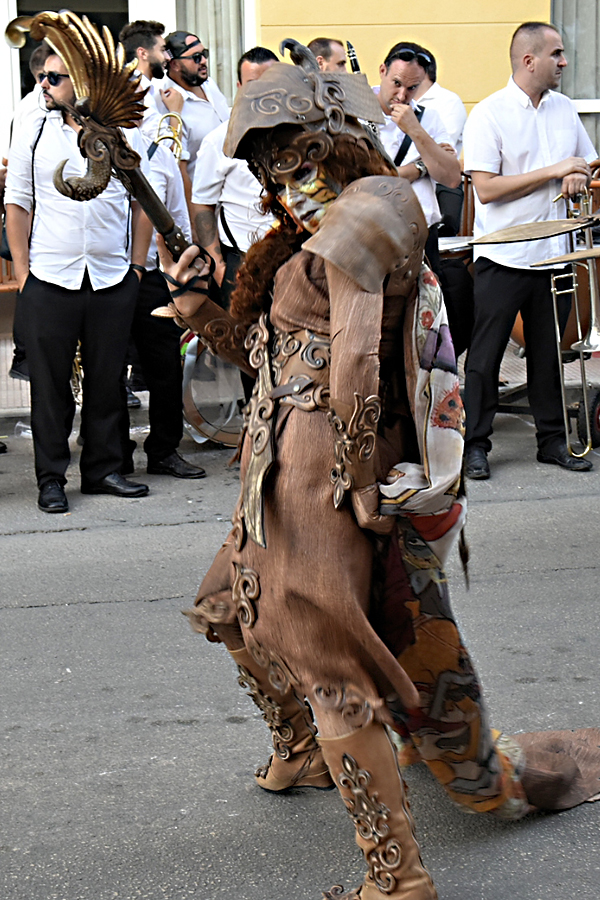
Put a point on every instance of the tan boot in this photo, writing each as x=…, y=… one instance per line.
x=365, y=769
x=298, y=759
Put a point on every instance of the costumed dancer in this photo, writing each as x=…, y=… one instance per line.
x=330, y=586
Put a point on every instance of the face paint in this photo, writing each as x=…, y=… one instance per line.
x=307, y=196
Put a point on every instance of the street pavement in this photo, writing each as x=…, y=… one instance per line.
x=128, y=748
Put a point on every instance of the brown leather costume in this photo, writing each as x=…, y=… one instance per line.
x=309, y=603
x=303, y=600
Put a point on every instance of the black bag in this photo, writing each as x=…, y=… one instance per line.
x=4, y=248
x=450, y=201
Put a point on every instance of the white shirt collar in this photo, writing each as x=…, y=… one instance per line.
x=522, y=97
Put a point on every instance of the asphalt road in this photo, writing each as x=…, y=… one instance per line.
x=128, y=748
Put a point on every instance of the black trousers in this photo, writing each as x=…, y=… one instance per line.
x=500, y=293
x=56, y=319
x=19, y=330
x=157, y=344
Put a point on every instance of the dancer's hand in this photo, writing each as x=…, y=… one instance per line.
x=365, y=502
x=189, y=265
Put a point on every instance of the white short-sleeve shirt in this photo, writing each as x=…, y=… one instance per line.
x=506, y=135
x=70, y=236
x=229, y=183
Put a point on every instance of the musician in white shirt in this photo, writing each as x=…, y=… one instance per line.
x=76, y=283
x=523, y=146
x=204, y=106
x=143, y=40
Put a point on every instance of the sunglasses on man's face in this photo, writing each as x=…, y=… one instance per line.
x=197, y=57
x=408, y=55
x=53, y=77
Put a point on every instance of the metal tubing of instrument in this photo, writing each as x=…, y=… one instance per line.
x=172, y=134
x=556, y=293
x=591, y=343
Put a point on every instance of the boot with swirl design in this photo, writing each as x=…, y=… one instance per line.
x=298, y=759
x=365, y=769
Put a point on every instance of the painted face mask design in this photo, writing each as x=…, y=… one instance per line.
x=307, y=197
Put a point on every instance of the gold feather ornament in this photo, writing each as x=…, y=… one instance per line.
x=107, y=95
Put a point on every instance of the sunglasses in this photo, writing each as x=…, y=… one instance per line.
x=196, y=57
x=423, y=59
x=53, y=77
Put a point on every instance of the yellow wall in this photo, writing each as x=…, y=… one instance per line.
x=469, y=38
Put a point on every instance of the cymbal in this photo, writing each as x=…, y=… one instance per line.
x=533, y=231
x=585, y=253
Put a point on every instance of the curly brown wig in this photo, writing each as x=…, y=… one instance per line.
x=351, y=159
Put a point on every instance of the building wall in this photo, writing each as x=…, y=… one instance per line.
x=579, y=23
x=469, y=38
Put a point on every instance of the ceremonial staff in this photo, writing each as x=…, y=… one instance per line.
x=109, y=99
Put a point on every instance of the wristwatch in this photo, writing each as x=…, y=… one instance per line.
x=421, y=168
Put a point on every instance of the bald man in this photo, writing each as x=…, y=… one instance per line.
x=522, y=146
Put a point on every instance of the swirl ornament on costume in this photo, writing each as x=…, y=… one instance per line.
x=337, y=893
x=238, y=532
x=354, y=708
x=279, y=675
x=371, y=818
x=245, y=590
x=222, y=335
x=218, y=610
x=285, y=345
x=330, y=96
x=258, y=416
x=278, y=100
x=316, y=352
x=257, y=342
x=301, y=369
x=281, y=729
x=354, y=443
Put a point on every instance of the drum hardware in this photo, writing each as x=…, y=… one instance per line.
x=572, y=289
x=583, y=347
x=575, y=256
x=535, y=231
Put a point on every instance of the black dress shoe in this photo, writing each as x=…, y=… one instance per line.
x=562, y=458
x=3, y=447
x=114, y=484
x=476, y=463
x=52, y=498
x=175, y=465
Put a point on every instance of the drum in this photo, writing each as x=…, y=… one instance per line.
x=213, y=396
